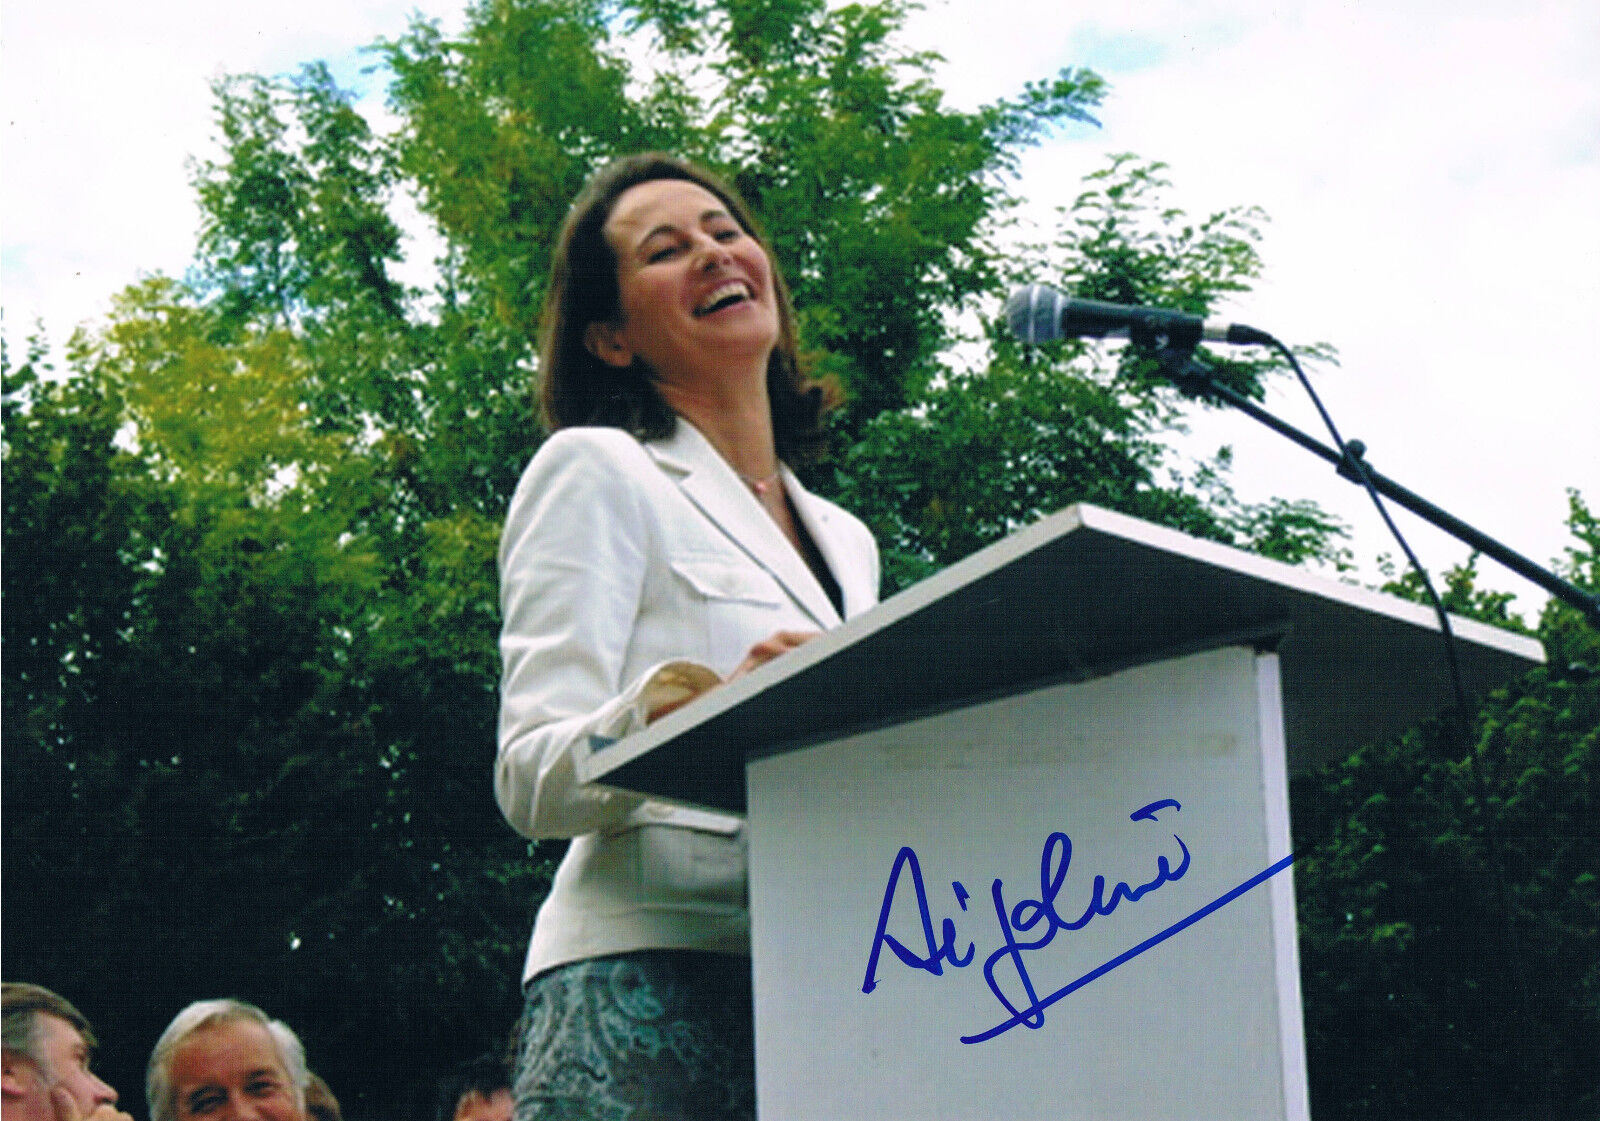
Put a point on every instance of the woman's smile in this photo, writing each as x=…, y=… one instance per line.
x=724, y=296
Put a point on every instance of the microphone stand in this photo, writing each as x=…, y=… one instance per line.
x=1193, y=377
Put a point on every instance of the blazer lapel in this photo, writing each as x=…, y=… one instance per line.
x=717, y=491
x=853, y=570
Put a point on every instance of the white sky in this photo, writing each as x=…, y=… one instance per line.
x=1431, y=169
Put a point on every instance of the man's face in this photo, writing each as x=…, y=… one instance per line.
x=474, y=1106
x=65, y=1067
x=232, y=1072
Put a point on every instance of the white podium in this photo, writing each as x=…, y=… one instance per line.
x=1019, y=837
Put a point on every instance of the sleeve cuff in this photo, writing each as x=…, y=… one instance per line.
x=664, y=686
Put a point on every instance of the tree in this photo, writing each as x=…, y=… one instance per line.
x=254, y=758
x=879, y=199
x=1449, y=904
x=983, y=451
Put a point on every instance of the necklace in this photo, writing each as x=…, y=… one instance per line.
x=760, y=486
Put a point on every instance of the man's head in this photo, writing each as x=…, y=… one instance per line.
x=478, y=1090
x=224, y=1060
x=321, y=1105
x=48, y=1046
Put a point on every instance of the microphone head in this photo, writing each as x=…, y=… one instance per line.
x=1034, y=313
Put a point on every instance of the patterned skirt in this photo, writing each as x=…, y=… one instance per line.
x=658, y=1035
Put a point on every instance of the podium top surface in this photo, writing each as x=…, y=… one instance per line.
x=1080, y=594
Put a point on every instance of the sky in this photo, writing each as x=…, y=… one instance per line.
x=1430, y=169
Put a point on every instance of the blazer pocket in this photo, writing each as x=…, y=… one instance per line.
x=692, y=867
x=728, y=579
x=684, y=817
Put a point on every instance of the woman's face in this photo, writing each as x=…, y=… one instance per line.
x=695, y=288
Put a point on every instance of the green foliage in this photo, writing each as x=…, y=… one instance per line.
x=295, y=226
x=987, y=453
x=1460, y=594
x=980, y=453
x=73, y=553
x=249, y=709
x=1120, y=241
x=879, y=200
x=1294, y=531
x=499, y=130
x=1448, y=900
x=1568, y=639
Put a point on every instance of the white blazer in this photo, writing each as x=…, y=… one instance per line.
x=628, y=571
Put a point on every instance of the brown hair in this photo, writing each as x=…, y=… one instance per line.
x=22, y=1004
x=321, y=1105
x=577, y=388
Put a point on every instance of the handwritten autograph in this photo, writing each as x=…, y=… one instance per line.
x=1028, y=914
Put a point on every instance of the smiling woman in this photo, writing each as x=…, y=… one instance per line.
x=657, y=546
x=586, y=383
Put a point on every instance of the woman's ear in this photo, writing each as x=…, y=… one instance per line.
x=606, y=342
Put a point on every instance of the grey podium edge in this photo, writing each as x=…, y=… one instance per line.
x=1079, y=594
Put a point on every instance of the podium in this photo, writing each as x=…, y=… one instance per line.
x=1019, y=836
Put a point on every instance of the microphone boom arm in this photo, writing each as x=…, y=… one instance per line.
x=1193, y=376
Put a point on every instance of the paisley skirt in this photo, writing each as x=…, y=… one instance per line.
x=657, y=1035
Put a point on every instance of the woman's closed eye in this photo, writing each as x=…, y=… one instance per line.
x=666, y=250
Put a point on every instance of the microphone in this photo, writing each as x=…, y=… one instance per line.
x=1038, y=313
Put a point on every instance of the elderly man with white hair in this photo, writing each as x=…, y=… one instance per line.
x=225, y=1060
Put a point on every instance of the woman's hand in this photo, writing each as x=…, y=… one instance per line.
x=769, y=648
x=677, y=694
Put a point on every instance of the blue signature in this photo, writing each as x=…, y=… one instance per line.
x=1029, y=914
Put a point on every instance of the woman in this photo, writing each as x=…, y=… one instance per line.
x=656, y=547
